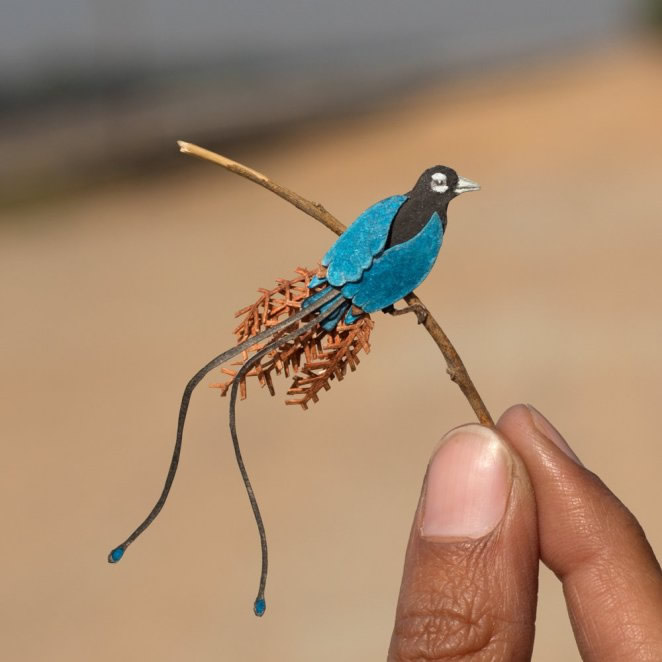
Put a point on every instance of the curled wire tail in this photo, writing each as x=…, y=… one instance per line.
x=117, y=553
x=260, y=605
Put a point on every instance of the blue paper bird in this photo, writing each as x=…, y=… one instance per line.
x=385, y=254
x=389, y=250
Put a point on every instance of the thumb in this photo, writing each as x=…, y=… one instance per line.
x=471, y=571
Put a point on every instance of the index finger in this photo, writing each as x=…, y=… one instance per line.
x=611, y=578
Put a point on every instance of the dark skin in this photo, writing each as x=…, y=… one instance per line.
x=494, y=502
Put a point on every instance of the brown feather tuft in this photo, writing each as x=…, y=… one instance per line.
x=314, y=359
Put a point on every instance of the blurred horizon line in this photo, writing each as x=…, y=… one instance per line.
x=88, y=124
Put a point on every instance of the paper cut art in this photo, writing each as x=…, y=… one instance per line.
x=314, y=359
x=314, y=326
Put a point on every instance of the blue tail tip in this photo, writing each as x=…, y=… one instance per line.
x=116, y=555
x=260, y=607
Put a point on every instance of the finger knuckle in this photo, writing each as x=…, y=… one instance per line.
x=442, y=634
x=452, y=624
x=452, y=621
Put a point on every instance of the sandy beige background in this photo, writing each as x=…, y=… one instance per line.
x=549, y=283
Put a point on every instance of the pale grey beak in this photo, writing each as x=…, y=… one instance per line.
x=464, y=185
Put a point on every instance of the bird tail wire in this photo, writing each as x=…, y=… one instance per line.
x=117, y=553
x=259, y=605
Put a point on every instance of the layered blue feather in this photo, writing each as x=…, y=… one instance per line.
x=354, y=251
x=368, y=276
x=398, y=270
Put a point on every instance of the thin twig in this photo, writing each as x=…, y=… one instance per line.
x=455, y=368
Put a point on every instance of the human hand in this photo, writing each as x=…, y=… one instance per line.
x=492, y=504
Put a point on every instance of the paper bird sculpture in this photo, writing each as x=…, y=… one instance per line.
x=383, y=255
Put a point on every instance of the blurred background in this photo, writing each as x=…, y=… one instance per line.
x=122, y=263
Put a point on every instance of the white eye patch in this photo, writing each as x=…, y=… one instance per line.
x=439, y=182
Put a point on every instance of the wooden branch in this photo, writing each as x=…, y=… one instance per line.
x=313, y=209
x=455, y=368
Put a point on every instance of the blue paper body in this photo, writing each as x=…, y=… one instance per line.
x=367, y=275
x=355, y=249
x=397, y=271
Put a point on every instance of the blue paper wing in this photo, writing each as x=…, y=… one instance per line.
x=398, y=271
x=354, y=250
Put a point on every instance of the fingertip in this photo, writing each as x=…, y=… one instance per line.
x=468, y=484
x=545, y=428
x=516, y=424
x=516, y=416
x=528, y=429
